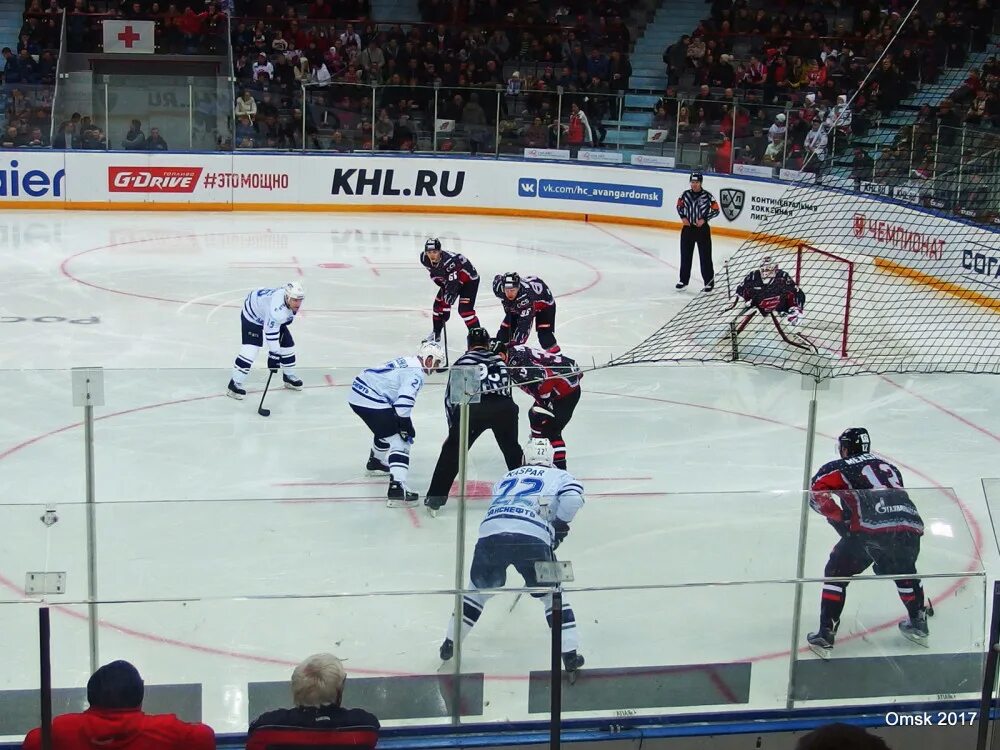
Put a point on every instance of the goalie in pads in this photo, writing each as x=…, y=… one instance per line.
x=771, y=292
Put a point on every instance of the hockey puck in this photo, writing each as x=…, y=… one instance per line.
x=264, y=412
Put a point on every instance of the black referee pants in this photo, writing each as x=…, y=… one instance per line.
x=499, y=415
x=702, y=237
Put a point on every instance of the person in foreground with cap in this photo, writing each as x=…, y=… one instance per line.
x=115, y=720
x=697, y=207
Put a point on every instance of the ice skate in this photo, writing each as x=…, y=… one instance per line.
x=434, y=504
x=915, y=628
x=235, y=391
x=400, y=497
x=375, y=465
x=572, y=661
x=447, y=649
x=821, y=643
x=291, y=382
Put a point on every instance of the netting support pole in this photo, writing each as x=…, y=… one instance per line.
x=803, y=529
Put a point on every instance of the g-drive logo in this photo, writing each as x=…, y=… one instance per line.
x=153, y=179
x=600, y=192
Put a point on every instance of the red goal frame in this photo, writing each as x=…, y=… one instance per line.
x=806, y=248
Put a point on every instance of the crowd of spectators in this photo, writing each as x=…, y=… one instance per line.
x=785, y=86
x=386, y=87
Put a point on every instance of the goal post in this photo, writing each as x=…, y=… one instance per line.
x=828, y=282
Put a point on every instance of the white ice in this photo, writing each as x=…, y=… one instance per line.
x=260, y=541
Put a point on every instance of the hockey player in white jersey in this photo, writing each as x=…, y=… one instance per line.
x=384, y=397
x=529, y=517
x=266, y=315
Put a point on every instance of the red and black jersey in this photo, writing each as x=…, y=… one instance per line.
x=778, y=295
x=533, y=297
x=544, y=376
x=871, y=495
x=450, y=274
x=310, y=726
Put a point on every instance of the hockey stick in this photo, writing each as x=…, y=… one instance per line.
x=260, y=409
x=516, y=600
x=808, y=346
x=729, y=288
x=444, y=333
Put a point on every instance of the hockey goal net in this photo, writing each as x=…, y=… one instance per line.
x=828, y=282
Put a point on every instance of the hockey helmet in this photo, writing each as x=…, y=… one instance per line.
x=294, y=290
x=696, y=177
x=432, y=245
x=477, y=338
x=433, y=350
x=768, y=268
x=518, y=356
x=853, y=442
x=538, y=452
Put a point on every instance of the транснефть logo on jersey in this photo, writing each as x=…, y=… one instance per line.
x=731, y=202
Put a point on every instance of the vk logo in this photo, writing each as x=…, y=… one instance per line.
x=527, y=188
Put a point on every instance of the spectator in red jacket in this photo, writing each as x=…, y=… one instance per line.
x=115, y=720
x=318, y=719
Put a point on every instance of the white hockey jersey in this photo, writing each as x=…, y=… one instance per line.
x=267, y=308
x=528, y=499
x=394, y=385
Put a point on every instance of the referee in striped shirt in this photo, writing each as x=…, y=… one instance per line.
x=697, y=207
x=496, y=411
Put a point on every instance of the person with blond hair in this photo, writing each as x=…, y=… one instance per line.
x=318, y=717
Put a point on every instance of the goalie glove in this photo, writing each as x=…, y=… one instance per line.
x=406, y=430
x=560, y=530
x=273, y=362
x=795, y=315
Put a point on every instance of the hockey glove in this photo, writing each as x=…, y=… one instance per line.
x=406, y=430
x=561, y=530
x=273, y=362
x=795, y=314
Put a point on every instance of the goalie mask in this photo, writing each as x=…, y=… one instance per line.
x=853, y=442
x=768, y=269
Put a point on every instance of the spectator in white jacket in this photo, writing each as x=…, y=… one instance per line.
x=246, y=105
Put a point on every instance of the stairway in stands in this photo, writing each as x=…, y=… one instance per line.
x=11, y=19
x=673, y=19
x=393, y=10
x=881, y=137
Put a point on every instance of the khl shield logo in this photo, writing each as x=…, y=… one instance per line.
x=731, y=201
x=527, y=188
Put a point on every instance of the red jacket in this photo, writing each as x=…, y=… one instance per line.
x=123, y=729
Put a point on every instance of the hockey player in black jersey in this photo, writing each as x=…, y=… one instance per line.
x=526, y=300
x=772, y=293
x=457, y=281
x=771, y=290
x=862, y=497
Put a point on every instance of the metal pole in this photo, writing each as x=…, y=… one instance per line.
x=45, y=671
x=961, y=163
x=990, y=672
x=555, y=672
x=803, y=528
x=784, y=149
x=107, y=121
x=937, y=149
x=88, y=445
x=305, y=111
x=373, y=117
x=463, y=456
x=732, y=144
x=190, y=115
x=559, y=93
x=435, y=140
x=496, y=136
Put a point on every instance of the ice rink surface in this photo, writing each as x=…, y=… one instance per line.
x=264, y=540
